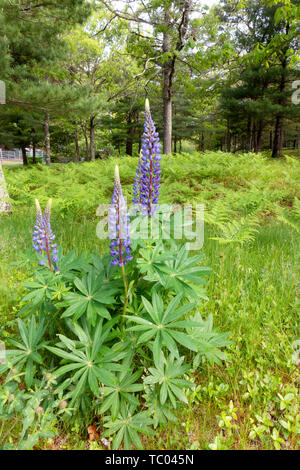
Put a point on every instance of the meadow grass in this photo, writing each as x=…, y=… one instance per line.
x=251, y=401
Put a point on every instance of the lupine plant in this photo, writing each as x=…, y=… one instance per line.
x=118, y=336
x=119, y=232
x=147, y=179
x=43, y=237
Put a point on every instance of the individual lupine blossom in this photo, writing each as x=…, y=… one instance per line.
x=118, y=224
x=147, y=182
x=43, y=237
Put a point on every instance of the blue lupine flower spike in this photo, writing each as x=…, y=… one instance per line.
x=149, y=172
x=118, y=221
x=43, y=237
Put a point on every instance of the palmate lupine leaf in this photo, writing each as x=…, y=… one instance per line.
x=161, y=414
x=121, y=389
x=40, y=289
x=106, y=271
x=92, y=297
x=40, y=293
x=26, y=353
x=152, y=261
x=164, y=325
x=89, y=361
x=126, y=427
x=208, y=341
x=168, y=373
x=183, y=272
x=70, y=264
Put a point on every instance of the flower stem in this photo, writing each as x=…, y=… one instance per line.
x=125, y=292
x=48, y=255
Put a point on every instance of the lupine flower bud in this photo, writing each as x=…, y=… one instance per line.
x=63, y=404
x=147, y=180
x=118, y=221
x=10, y=398
x=39, y=410
x=43, y=237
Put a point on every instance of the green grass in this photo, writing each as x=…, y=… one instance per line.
x=252, y=291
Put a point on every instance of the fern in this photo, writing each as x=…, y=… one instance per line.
x=292, y=218
x=231, y=230
x=238, y=231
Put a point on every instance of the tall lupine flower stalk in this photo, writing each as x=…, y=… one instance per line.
x=147, y=180
x=119, y=225
x=118, y=221
x=43, y=237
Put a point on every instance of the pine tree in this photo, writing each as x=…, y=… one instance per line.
x=258, y=93
x=32, y=42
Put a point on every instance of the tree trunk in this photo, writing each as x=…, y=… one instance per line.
x=33, y=153
x=180, y=146
x=168, y=67
x=234, y=144
x=276, y=142
x=202, y=142
x=277, y=149
x=209, y=141
x=271, y=140
x=25, y=161
x=130, y=133
x=253, y=140
x=175, y=144
x=92, y=138
x=77, y=153
x=87, y=150
x=259, y=136
x=228, y=138
x=167, y=114
x=281, y=140
x=47, y=139
x=5, y=205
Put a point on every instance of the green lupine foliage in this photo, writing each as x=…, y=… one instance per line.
x=92, y=297
x=102, y=361
x=168, y=374
x=28, y=350
x=127, y=426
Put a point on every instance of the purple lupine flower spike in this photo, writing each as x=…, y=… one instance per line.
x=118, y=221
x=37, y=228
x=149, y=172
x=43, y=237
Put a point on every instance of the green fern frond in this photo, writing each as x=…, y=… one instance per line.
x=240, y=231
